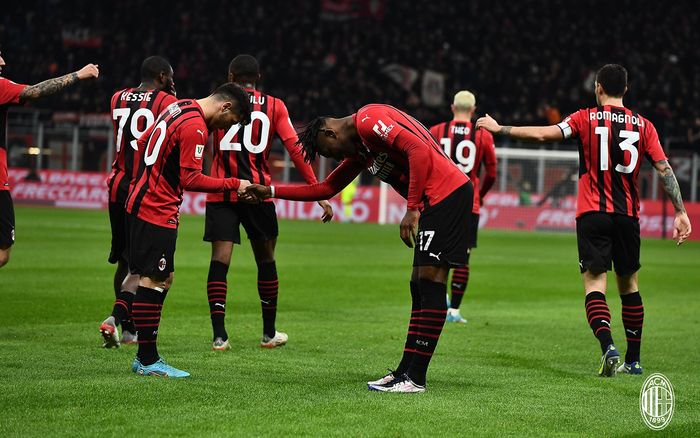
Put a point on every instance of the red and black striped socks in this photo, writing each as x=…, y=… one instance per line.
x=146, y=310
x=268, y=289
x=633, y=321
x=410, y=345
x=216, y=293
x=429, y=327
x=598, y=315
x=460, y=279
x=122, y=307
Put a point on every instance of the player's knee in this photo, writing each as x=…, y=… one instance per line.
x=168, y=282
x=261, y=260
x=437, y=274
x=130, y=283
x=4, y=257
x=221, y=252
x=627, y=284
x=264, y=251
x=156, y=282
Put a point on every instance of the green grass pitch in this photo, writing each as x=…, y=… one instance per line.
x=524, y=364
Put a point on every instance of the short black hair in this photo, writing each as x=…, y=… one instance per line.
x=613, y=79
x=308, y=138
x=244, y=67
x=234, y=93
x=152, y=66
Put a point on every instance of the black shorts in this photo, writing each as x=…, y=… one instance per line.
x=117, y=219
x=151, y=248
x=473, y=229
x=607, y=238
x=443, y=230
x=7, y=220
x=223, y=221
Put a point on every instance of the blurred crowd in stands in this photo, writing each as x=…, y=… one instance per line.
x=527, y=62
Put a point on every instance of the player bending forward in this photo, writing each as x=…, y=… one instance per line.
x=170, y=161
x=133, y=111
x=612, y=139
x=389, y=142
x=468, y=148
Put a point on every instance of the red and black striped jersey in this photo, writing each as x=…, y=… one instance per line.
x=9, y=95
x=468, y=149
x=243, y=151
x=133, y=112
x=397, y=149
x=611, y=142
x=170, y=161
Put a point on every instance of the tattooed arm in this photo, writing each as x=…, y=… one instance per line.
x=527, y=133
x=51, y=86
x=681, y=224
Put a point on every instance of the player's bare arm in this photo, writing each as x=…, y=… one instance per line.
x=681, y=224
x=539, y=134
x=54, y=85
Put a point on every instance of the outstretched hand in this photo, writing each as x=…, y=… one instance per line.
x=89, y=71
x=327, y=211
x=488, y=123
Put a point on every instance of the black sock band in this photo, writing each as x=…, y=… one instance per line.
x=633, y=321
x=429, y=327
x=217, y=288
x=460, y=280
x=146, y=311
x=409, y=346
x=122, y=307
x=268, y=290
x=598, y=315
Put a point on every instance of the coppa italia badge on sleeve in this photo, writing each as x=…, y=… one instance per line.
x=656, y=401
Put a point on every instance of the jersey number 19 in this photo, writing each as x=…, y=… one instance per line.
x=465, y=153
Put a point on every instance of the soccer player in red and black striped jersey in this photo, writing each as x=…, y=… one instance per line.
x=243, y=152
x=170, y=156
x=400, y=151
x=468, y=148
x=133, y=111
x=11, y=94
x=612, y=140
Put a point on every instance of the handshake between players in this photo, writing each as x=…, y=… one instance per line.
x=256, y=193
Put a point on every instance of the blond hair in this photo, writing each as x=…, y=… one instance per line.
x=464, y=101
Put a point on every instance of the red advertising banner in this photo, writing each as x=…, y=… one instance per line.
x=500, y=210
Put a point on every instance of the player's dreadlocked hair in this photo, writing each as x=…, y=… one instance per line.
x=308, y=138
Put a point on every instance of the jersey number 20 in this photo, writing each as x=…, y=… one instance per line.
x=227, y=145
